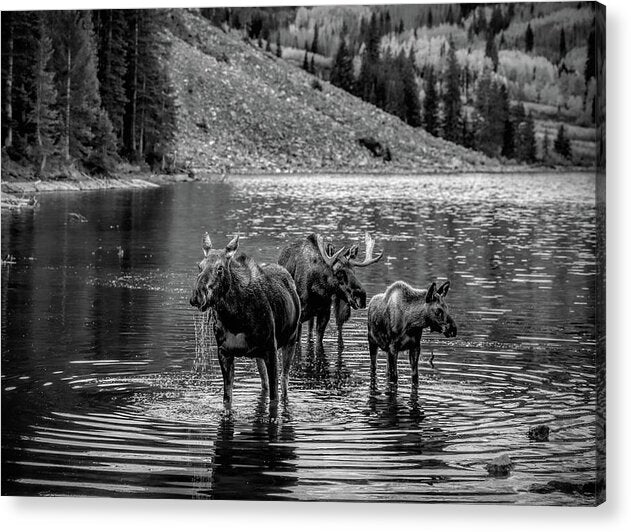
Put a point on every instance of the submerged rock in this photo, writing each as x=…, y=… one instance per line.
x=570, y=488
x=500, y=466
x=539, y=433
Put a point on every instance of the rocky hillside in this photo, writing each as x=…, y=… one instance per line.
x=241, y=109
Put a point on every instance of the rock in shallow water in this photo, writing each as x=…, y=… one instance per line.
x=539, y=433
x=500, y=466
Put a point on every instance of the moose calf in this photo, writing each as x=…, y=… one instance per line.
x=396, y=320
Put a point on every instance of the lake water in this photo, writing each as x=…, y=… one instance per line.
x=102, y=396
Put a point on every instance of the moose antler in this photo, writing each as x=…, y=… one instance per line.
x=206, y=243
x=329, y=259
x=370, y=246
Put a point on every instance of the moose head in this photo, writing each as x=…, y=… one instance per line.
x=437, y=312
x=214, y=273
x=348, y=286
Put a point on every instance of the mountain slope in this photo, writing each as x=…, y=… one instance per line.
x=242, y=109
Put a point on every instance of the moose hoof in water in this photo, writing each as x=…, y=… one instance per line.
x=539, y=433
x=500, y=466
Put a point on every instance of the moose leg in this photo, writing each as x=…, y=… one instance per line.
x=372, y=349
x=391, y=370
x=323, y=320
x=342, y=314
x=310, y=330
x=272, y=373
x=413, y=354
x=298, y=351
x=260, y=364
x=227, y=370
x=287, y=354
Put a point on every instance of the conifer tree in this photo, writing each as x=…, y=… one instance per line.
x=74, y=59
x=525, y=140
x=314, y=43
x=491, y=50
x=545, y=146
x=150, y=114
x=562, y=144
x=430, y=103
x=562, y=45
x=430, y=19
x=497, y=20
x=451, y=96
x=529, y=39
x=590, y=63
x=312, y=66
x=450, y=16
x=43, y=115
x=305, y=61
x=411, y=104
x=111, y=33
x=342, y=71
x=279, y=50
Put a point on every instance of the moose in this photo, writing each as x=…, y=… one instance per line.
x=257, y=312
x=396, y=319
x=324, y=276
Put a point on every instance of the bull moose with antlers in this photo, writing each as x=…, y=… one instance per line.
x=322, y=276
x=257, y=312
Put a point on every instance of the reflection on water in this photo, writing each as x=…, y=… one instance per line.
x=99, y=390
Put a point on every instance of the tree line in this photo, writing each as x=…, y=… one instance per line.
x=85, y=89
x=484, y=120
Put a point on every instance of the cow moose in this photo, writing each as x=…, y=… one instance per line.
x=396, y=319
x=257, y=312
x=324, y=276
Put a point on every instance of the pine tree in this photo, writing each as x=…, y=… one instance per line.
x=430, y=19
x=74, y=59
x=450, y=16
x=111, y=31
x=366, y=87
x=451, y=96
x=279, y=50
x=490, y=115
x=491, y=50
x=342, y=71
x=305, y=62
x=312, y=66
x=8, y=62
x=545, y=146
x=150, y=114
x=562, y=144
x=430, y=103
x=562, y=45
x=590, y=63
x=525, y=140
x=529, y=38
x=314, y=43
x=497, y=20
x=411, y=103
x=43, y=114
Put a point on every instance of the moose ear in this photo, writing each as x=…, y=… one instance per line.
x=232, y=246
x=206, y=244
x=431, y=292
x=352, y=253
x=444, y=288
x=330, y=249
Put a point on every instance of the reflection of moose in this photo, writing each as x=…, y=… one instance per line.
x=396, y=320
x=254, y=460
x=322, y=276
x=257, y=312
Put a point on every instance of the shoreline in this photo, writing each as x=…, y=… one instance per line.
x=17, y=194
